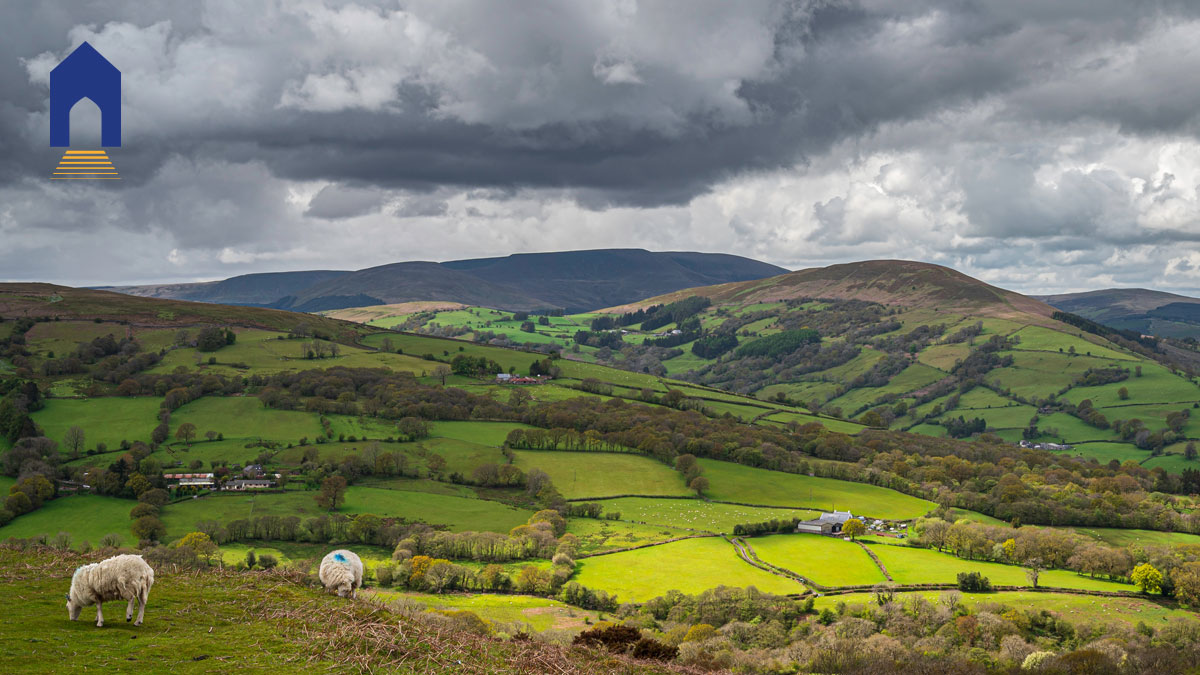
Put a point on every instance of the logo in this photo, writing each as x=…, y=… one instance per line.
x=85, y=74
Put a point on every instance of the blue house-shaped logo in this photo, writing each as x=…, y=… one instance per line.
x=85, y=74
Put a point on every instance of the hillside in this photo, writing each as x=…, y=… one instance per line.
x=572, y=280
x=36, y=301
x=903, y=283
x=268, y=622
x=900, y=344
x=247, y=289
x=1139, y=309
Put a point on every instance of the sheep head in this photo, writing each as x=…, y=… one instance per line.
x=345, y=590
x=73, y=608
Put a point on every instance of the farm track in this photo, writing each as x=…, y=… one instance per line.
x=746, y=552
x=878, y=563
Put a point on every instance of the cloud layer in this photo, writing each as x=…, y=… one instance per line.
x=1041, y=146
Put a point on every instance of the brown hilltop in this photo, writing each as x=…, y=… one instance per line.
x=904, y=283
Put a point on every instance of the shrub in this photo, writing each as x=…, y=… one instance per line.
x=111, y=540
x=973, y=582
x=142, y=510
x=613, y=638
x=384, y=574
x=268, y=561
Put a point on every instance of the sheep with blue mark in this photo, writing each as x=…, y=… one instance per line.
x=342, y=573
x=122, y=577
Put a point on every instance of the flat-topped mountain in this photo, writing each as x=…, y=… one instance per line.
x=570, y=280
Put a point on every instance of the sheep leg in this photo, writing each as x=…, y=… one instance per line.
x=129, y=609
x=142, y=598
x=99, y=614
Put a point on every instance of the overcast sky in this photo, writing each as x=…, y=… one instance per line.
x=1041, y=146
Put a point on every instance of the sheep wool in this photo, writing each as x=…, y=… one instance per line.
x=122, y=577
x=342, y=572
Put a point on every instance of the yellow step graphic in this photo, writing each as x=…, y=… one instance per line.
x=85, y=165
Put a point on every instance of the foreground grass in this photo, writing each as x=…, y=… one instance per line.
x=737, y=483
x=690, y=566
x=245, y=622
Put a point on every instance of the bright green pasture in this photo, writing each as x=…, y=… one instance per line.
x=245, y=417
x=296, y=554
x=601, y=474
x=1071, y=429
x=689, y=566
x=539, y=613
x=597, y=535
x=748, y=485
x=696, y=514
x=1107, y=451
x=1156, y=385
x=86, y=517
x=107, y=420
x=1154, y=416
x=1173, y=463
x=910, y=565
x=1088, y=608
x=1040, y=374
x=825, y=560
x=483, y=433
x=1037, y=338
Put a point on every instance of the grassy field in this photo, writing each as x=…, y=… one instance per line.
x=841, y=426
x=484, y=433
x=540, y=614
x=909, y=565
x=1037, y=338
x=458, y=513
x=605, y=535
x=85, y=517
x=108, y=420
x=689, y=566
x=1118, y=537
x=738, y=483
x=245, y=417
x=601, y=474
x=696, y=514
x=825, y=560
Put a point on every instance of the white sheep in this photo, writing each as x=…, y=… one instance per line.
x=122, y=577
x=341, y=572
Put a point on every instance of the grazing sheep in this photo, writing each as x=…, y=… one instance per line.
x=122, y=577
x=342, y=572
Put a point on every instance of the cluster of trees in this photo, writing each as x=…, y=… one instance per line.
x=474, y=366
x=212, y=338
x=674, y=312
x=599, y=339
x=778, y=344
x=1093, y=377
x=692, y=472
x=712, y=346
x=962, y=428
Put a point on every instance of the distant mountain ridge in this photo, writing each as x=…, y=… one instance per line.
x=576, y=281
x=1140, y=309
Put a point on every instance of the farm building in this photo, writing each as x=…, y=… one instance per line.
x=254, y=484
x=191, y=479
x=828, y=523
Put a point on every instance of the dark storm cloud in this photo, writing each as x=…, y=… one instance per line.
x=967, y=133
